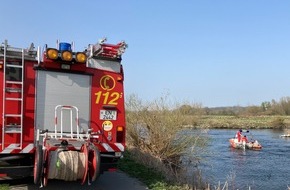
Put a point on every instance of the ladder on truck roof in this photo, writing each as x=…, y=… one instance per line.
x=13, y=90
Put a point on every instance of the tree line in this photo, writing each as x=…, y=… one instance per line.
x=273, y=107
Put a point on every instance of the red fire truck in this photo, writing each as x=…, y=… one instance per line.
x=63, y=111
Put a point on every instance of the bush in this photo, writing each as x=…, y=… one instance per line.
x=158, y=139
x=278, y=123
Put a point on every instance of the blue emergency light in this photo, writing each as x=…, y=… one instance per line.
x=64, y=46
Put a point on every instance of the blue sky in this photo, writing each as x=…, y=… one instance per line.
x=210, y=52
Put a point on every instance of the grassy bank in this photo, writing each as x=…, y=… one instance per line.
x=4, y=186
x=152, y=179
x=245, y=122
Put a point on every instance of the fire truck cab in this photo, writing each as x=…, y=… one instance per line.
x=63, y=113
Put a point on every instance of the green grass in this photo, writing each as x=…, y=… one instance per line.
x=152, y=179
x=4, y=186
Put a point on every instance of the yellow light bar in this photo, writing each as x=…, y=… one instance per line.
x=52, y=53
x=120, y=128
x=81, y=57
x=66, y=55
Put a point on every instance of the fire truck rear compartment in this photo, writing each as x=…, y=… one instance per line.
x=58, y=88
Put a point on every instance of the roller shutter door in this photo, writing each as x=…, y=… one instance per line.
x=56, y=88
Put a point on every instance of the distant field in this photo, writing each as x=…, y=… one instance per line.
x=249, y=122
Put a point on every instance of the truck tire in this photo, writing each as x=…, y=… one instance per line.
x=38, y=164
x=94, y=163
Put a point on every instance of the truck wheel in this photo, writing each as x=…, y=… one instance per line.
x=38, y=164
x=45, y=167
x=84, y=149
x=94, y=163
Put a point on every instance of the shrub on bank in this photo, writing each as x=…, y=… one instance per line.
x=278, y=123
x=156, y=138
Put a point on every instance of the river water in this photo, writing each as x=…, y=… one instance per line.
x=266, y=169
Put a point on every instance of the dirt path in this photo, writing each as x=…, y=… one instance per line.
x=107, y=181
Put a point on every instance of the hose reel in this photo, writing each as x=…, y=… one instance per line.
x=67, y=165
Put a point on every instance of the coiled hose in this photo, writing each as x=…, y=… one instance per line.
x=66, y=165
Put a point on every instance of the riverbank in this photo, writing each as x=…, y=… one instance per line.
x=153, y=128
x=152, y=179
x=245, y=122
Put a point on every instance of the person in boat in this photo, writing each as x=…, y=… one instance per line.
x=245, y=139
x=239, y=134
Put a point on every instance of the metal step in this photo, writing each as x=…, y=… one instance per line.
x=14, y=82
x=13, y=115
x=12, y=131
x=13, y=128
x=13, y=125
x=9, y=89
x=14, y=99
x=15, y=66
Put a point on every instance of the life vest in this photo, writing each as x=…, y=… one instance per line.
x=244, y=139
x=239, y=135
